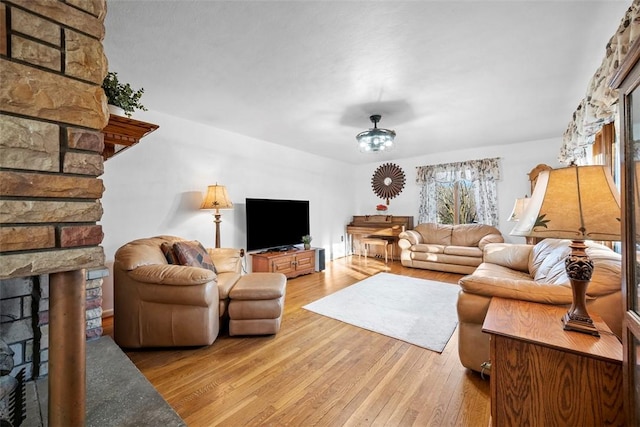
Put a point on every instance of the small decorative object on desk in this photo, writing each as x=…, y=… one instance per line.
x=381, y=208
x=306, y=239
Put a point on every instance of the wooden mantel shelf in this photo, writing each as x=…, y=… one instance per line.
x=122, y=133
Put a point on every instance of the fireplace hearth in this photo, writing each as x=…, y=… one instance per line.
x=117, y=393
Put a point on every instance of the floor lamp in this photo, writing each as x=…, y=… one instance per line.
x=217, y=198
x=578, y=203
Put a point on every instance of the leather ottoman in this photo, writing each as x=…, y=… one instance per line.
x=256, y=304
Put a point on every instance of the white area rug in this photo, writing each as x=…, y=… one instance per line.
x=420, y=312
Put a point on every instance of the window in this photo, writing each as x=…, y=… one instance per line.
x=456, y=202
x=606, y=151
x=459, y=193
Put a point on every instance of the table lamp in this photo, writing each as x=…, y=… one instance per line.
x=519, y=207
x=217, y=198
x=578, y=203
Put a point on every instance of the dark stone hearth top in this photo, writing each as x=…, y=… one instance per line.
x=117, y=392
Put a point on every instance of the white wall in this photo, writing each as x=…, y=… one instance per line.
x=516, y=161
x=156, y=187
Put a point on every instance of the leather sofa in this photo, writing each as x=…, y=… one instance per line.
x=532, y=273
x=157, y=304
x=450, y=248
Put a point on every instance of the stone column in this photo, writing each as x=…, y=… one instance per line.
x=52, y=111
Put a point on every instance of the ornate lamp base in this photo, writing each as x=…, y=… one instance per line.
x=579, y=269
x=579, y=324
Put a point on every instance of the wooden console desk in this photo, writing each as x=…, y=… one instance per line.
x=544, y=375
x=380, y=226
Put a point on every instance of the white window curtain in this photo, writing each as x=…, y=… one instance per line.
x=483, y=175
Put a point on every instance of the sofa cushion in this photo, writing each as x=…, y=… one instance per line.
x=226, y=281
x=471, y=234
x=548, y=258
x=439, y=234
x=607, y=270
x=172, y=275
x=408, y=238
x=428, y=248
x=463, y=251
x=490, y=238
x=515, y=256
x=193, y=254
x=488, y=269
x=546, y=263
x=446, y=259
x=226, y=259
x=514, y=288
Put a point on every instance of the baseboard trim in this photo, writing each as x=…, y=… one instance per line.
x=107, y=313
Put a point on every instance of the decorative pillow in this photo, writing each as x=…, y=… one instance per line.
x=169, y=253
x=193, y=254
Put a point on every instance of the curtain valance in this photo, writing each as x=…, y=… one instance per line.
x=470, y=170
x=599, y=106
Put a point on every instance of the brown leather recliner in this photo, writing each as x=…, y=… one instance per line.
x=533, y=273
x=157, y=304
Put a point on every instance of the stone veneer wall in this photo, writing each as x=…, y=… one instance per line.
x=27, y=333
x=52, y=109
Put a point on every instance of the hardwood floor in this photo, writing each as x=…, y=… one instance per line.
x=319, y=371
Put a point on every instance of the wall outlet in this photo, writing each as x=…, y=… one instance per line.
x=342, y=238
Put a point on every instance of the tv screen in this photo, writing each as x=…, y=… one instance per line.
x=273, y=223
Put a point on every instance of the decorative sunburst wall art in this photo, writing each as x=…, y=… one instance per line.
x=388, y=181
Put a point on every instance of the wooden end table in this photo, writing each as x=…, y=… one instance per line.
x=544, y=375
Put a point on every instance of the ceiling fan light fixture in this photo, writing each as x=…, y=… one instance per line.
x=375, y=139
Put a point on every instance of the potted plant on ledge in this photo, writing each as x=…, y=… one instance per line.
x=306, y=239
x=121, y=95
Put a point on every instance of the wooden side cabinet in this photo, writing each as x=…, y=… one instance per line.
x=544, y=375
x=291, y=263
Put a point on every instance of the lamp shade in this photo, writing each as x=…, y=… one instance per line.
x=518, y=209
x=216, y=198
x=576, y=202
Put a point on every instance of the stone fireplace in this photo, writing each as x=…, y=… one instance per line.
x=24, y=319
x=52, y=111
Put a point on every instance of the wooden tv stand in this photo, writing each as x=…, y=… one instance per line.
x=291, y=263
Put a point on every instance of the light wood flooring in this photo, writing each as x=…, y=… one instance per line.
x=319, y=371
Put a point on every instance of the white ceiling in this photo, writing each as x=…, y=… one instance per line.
x=445, y=75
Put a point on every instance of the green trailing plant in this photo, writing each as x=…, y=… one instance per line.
x=122, y=95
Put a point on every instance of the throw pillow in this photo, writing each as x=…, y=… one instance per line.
x=169, y=253
x=193, y=254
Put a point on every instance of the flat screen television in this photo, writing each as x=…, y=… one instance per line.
x=276, y=224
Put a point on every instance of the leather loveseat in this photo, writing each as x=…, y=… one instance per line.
x=450, y=248
x=157, y=304
x=533, y=273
